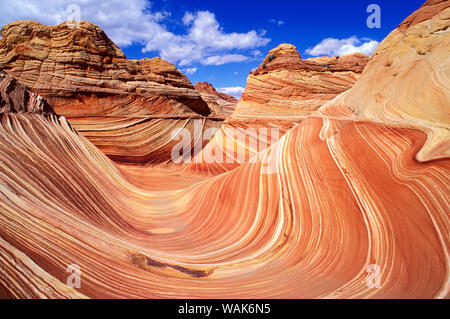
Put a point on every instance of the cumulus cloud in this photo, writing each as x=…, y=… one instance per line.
x=235, y=91
x=223, y=59
x=204, y=40
x=125, y=22
x=188, y=18
x=332, y=46
x=190, y=70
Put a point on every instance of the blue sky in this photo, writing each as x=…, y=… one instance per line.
x=222, y=41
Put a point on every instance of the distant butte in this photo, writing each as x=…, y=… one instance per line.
x=221, y=104
x=285, y=85
x=205, y=87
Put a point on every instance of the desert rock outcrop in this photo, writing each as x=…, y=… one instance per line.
x=285, y=85
x=279, y=94
x=406, y=83
x=118, y=104
x=221, y=104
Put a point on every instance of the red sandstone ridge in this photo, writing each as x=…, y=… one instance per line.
x=121, y=105
x=205, y=87
x=429, y=9
x=279, y=94
x=221, y=104
x=284, y=85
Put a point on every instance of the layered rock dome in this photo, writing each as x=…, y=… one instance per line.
x=279, y=94
x=120, y=105
x=61, y=62
x=285, y=85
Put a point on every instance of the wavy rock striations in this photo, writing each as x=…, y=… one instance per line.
x=337, y=196
x=406, y=83
x=310, y=229
x=286, y=85
x=279, y=94
x=118, y=104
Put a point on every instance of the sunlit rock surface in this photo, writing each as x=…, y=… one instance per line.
x=286, y=85
x=340, y=192
x=407, y=81
x=127, y=108
x=281, y=92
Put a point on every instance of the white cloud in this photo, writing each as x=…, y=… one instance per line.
x=125, y=22
x=188, y=18
x=190, y=70
x=257, y=53
x=331, y=46
x=223, y=59
x=235, y=91
x=277, y=22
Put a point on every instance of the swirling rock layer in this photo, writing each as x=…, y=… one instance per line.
x=308, y=218
x=119, y=104
x=310, y=229
x=63, y=63
x=279, y=94
x=406, y=83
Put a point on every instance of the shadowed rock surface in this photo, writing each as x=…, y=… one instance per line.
x=221, y=104
x=16, y=98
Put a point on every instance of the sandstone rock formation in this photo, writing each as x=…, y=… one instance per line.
x=285, y=85
x=60, y=62
x=205, y=87
x=221, y=104
x=336, y=196
x=311, y=229
x=406, y=83
x=119, y=104
x=278, y=96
